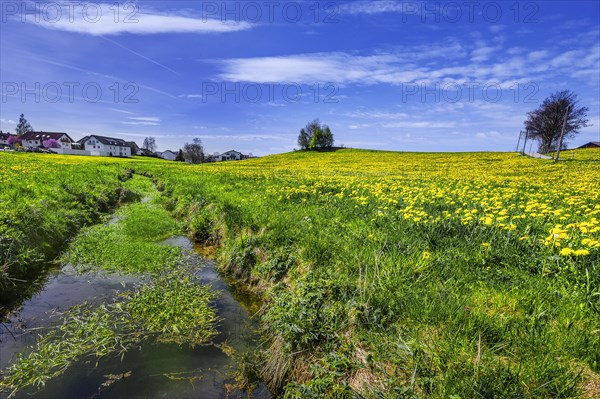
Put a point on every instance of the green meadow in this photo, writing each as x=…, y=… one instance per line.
x=380, y=274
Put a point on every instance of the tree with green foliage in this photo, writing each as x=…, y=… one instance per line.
x=303, y=139
x=327, y=139
x=315, y=136
x=23, y=127
x=316, y=140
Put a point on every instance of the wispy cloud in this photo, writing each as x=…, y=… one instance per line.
x=122, y=111
x=443, y=63
x=491, y=135
x=101, y=19
x=359, y=126
x=374, y=7
x=143, y=120
x=376, y=115
x=142, y=123
x=8, y=121
x=393, y=66
x=482, y=53
x=420, y=125
x=191, y=95
x=142, y=56
x=146, y=118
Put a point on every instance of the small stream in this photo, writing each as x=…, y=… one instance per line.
x=156, y=370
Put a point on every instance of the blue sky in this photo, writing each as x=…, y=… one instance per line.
x=399, y=75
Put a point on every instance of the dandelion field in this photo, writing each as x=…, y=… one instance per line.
x=382, y=274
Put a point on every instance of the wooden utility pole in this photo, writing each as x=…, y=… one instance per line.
x=562, y=133
x=519, y=141
x=525, y=142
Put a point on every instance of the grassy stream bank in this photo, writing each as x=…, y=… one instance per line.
x=167, y=306
x=396, y=274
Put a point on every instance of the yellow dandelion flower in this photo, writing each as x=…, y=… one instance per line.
x=581, y=252
x=566, y=251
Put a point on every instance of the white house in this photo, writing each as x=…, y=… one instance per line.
x=230, y=156
x=168, y=155
x=106, y=146
x=36, y=139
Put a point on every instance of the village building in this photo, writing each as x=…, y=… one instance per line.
x=135, y=149
x=168, y=155
x=105, y=146
x=4, y=136
x=37, y=139
x=231, y=155
x=591, y=144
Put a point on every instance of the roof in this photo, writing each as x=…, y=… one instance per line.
x=591, y=144
x=106, y=140
x=227, y=152
x=172, y=152
x=5, y=136
x=41, y=135
x=147, y=152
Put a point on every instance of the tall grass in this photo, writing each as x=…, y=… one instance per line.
x=408, y=275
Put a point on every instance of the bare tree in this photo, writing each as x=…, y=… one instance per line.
x=194, y=152
x=545, y=123
x=149, y=144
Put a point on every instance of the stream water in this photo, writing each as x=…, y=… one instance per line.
x=156, y=370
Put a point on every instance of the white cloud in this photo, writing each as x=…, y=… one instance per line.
x=191, y=95
x=376, y=115
x=488, y=135
x=496, y=28
x=102, y=19
x=420, y=125
x=359, y=126
x=396, y=66
x=145, y=118
x=143, y=121
x=446, y=63
x=274, y=104
x=333, y=67
x=242, y=137
x=8, y=121
x=373, y=7
x=482, y=53
x=122, y=111
x=537, y=55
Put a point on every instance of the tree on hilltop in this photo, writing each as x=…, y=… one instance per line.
x=545, y=123
x=315, y=136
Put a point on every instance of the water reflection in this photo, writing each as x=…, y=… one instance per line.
x=156, y=370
